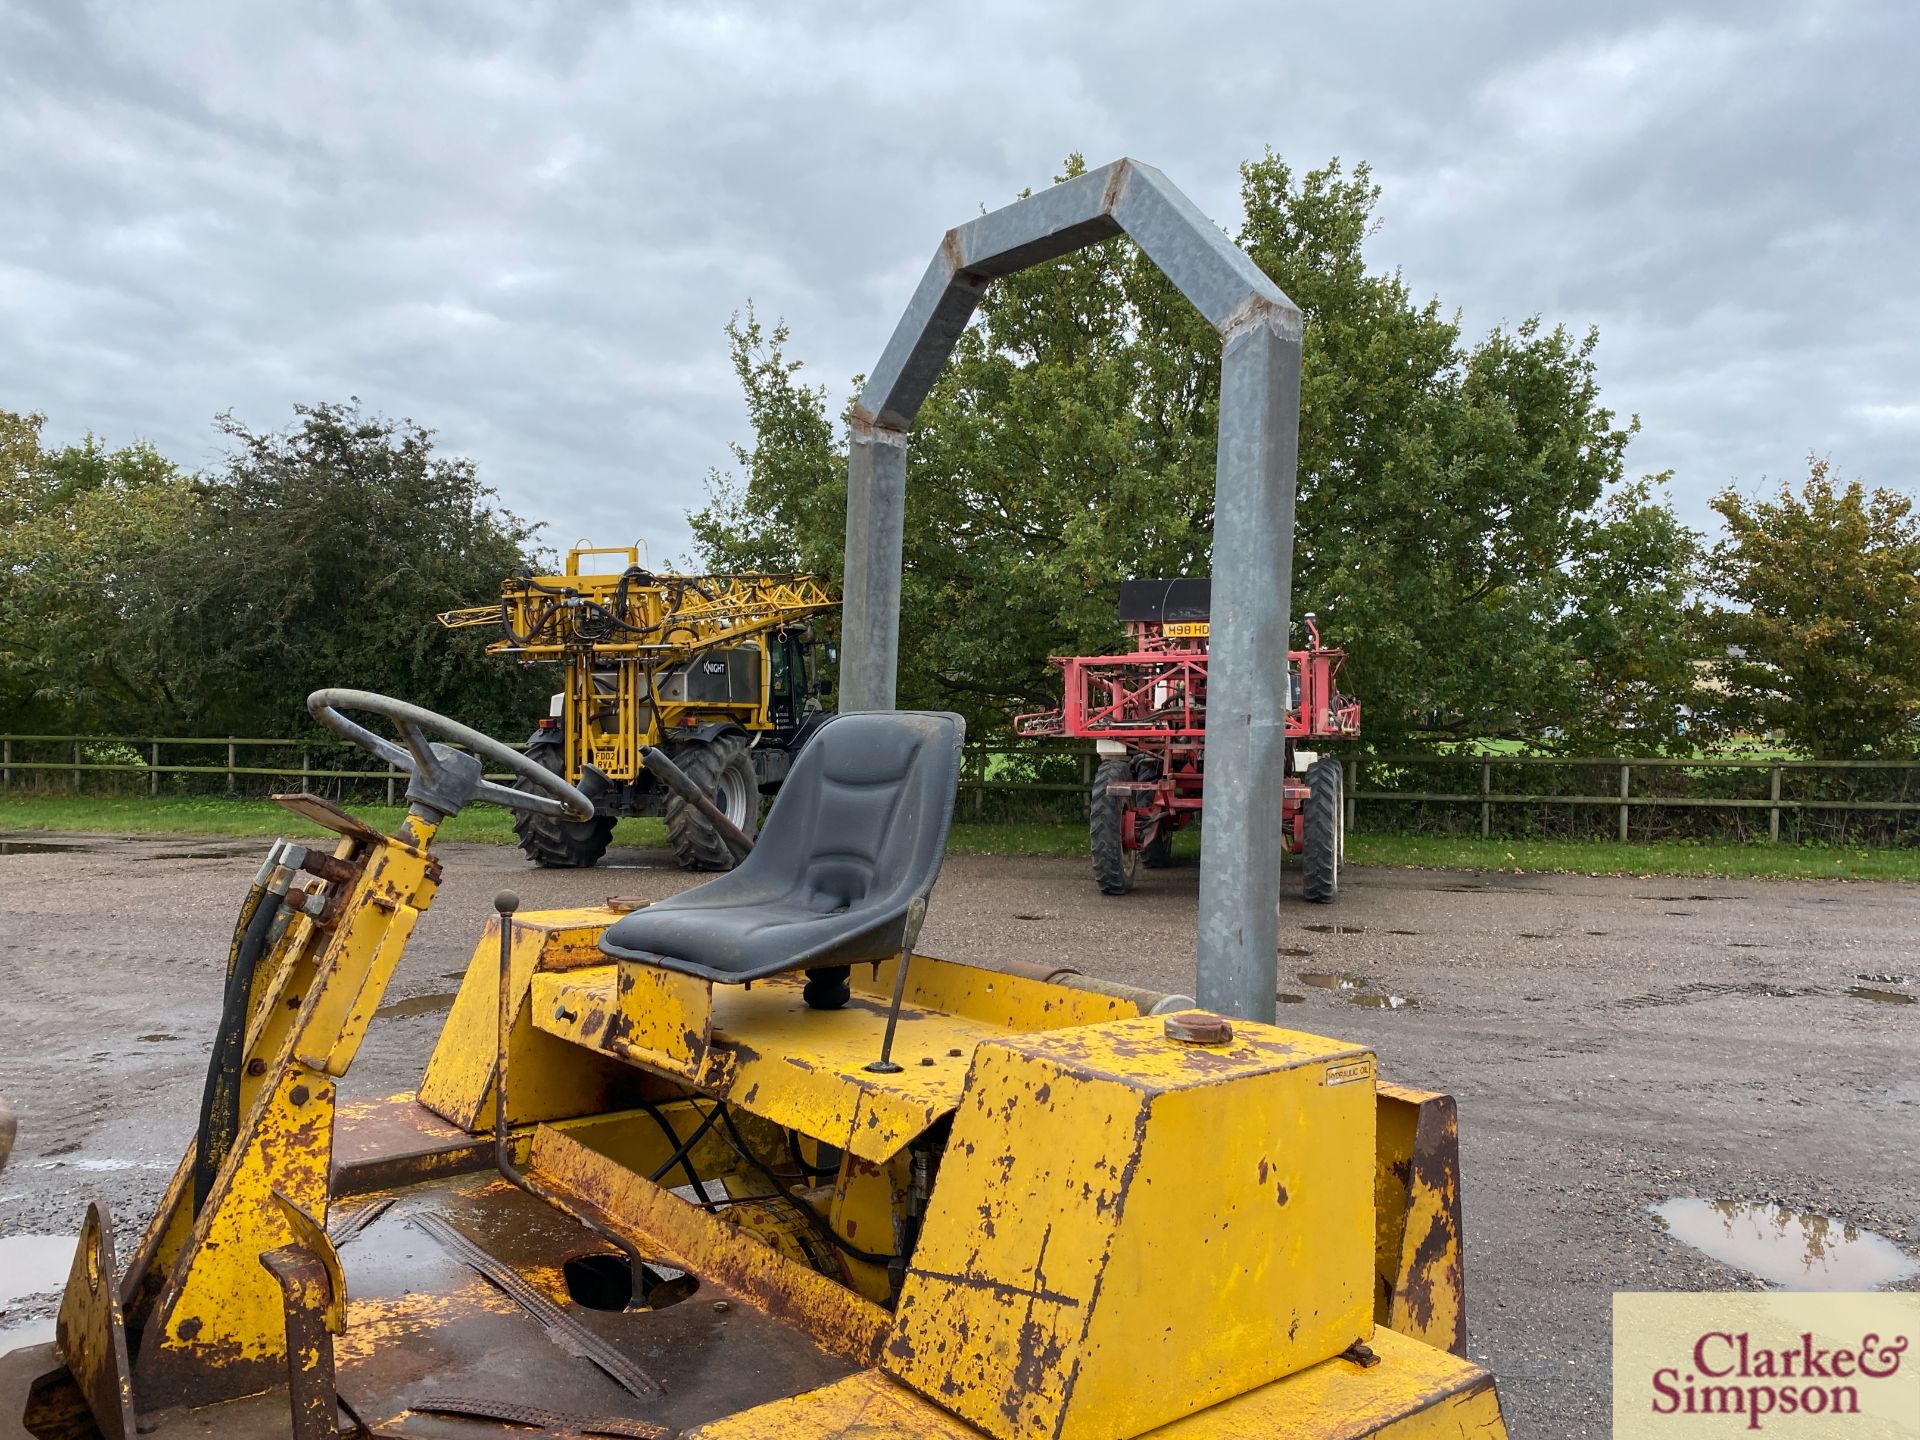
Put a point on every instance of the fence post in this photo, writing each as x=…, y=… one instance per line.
x=1626, y=772
x=76, y=767
x=980, y=786
x=303, y=776
x=1486, y=806
x=231, y=762
x=6, y=763
x=390, y=802
x=1773, y=815
x=153, y=767
x=1353, y=784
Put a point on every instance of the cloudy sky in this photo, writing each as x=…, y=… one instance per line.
x=526, y=224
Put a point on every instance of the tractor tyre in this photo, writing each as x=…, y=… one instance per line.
x=550, y=841
x=1113, y=863
x=1326, y=838
x=1157, y=853
x=722, y=768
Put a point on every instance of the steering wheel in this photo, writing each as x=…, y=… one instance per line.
x=443, y=778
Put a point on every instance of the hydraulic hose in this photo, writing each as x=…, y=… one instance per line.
x=220, y=1096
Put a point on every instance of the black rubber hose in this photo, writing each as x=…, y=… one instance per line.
x=684, y=1150
x=812, y=1172
x=220, y=1098
x=807, y=1212
x=686, y=1164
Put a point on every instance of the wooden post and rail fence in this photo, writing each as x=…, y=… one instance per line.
x=1380, y=788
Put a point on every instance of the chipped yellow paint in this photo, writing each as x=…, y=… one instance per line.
x=1419, y=1267
x=663, y=1013
x=1007, y=1002
x=806, y=1069
x=382, y=1321
x=866, y=1199
x=551, y=1079
x=687, y=1237
x=1414, y=1393
x=393, y=891
x=1110, y=1196
x=219, y=1326
x=212, y=1317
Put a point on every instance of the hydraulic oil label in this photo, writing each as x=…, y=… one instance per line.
x=1349, y=1071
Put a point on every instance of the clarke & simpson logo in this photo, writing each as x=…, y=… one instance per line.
x=1729, y=1374
x=1798, y=1365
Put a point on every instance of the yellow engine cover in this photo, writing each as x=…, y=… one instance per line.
x=1128, y=1228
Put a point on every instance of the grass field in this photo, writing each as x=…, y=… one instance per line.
x=490, y=824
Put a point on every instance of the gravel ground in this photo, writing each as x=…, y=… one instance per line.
x=1612, y=1042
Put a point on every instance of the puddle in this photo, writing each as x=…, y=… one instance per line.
x=37, y=847
x=1596, y=932
x=1534, y=935
x=1784, y=1247
x=1886, y=979
x=1286, y=999
x=1744, y=945
x=1676, y=912
x=234, y=854
x=159, y=1036
x=1297, y=952
x=34, y=1265
x=1336, y=929
x=1382, y=1002
x=417, y=1005
x=1036, y=915
x=1708, y=990
x=1353, y=989
x=1403, y=932
x=1885, y=997
x=27, y=1332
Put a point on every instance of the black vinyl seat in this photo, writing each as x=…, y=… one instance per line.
x=858, y=829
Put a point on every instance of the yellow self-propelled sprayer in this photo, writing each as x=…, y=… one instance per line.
x=717, y=670
x=745, y=1162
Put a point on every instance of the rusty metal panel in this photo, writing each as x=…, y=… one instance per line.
x=219, y=1327
x=315, y=1303
x=867, y=1406
x=658, y=1222
x=1418, y=1251
x=550, y=1080
x=90, y=1333
x=1129, y=1227
x=393, y=891
x=663, y=1012
x=1003, y=998
x=1413, y=1393
x=424, y=1329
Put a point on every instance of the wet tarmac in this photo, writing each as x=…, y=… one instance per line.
x=1608, y=1055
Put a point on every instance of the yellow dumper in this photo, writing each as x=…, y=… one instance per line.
x=745, y=1161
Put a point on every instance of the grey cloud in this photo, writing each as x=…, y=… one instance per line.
x=526, y=226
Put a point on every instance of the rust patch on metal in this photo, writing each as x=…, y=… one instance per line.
x=558, y=1423
x=713, y=1247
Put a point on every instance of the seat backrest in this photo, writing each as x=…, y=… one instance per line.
x=862, y=817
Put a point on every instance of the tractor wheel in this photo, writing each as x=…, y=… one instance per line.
x=1157, y=853
x=550, y=841
x=722, y=768
x=1113, y=863
x=1326, y=825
